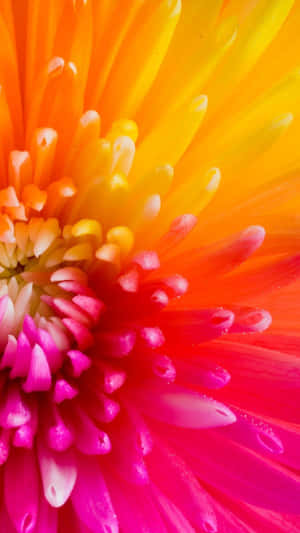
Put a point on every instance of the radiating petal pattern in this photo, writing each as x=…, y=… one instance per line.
x=149, y=266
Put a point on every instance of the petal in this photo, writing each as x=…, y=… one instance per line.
x=59, y=473
x=172, y=516
x=182, y=407
x=47, y=518
x=22, y=505
x=137, y=511
x=173, y=477
x=91, y=499
x=241, y=473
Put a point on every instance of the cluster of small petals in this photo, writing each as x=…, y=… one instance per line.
x=138, y=391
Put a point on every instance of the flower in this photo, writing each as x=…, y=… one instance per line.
x=148, y=238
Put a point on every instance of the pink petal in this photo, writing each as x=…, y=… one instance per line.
x=127, y=454
x=91, y=499
x=75, y=287
x=23, y=357
x=6, y=524
x=39, y=374
x=253, y=433
x=59, y=474
x=90, y=440
x=63, y=391
x=5, y=437
x=176, y=285
x=202, y=372
x=82, y=335
x=112, y=378
x=172, y=516
x=30, y=329
x=10, y=353
x=241, y=473
x=101, y=407
x=182, y=407
x=59, y=435
x=136, y=512
x=147, y=260
x=14, y=411
x=250, y=321
x=178, y=483
x=163, y=367
x=116, y=343
x=69, y=274
x=151, y=337
x=129, y=281
x=179, y=229
x=196, y=326
x=79, y=362
x=54, y=356
x=21, y=490
x=24, y=435
x=47, y=518
x=92, y=306
x=66, y=308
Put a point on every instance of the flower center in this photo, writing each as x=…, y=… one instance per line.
x=48, y=313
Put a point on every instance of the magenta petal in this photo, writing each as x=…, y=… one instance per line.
x=81, y=333
x=163, y=367
x=196, y=326
x=241, y=473
x=92, y=306
x=136, y=512
x=59, y=436
x=6, y=524
x=91, y=499
x=23, y=357
x=21, y=490
x=182, y=407
x=116, y=343
x=90, y=440
x=10, y=353
x=253, y=433
x=14, y=412
x=127, y=453
x=59, y=473
x=174, y=518
x=178, y=483
x=47, y=518
x=202, y=372
x=5, y=435
x=101, y=407
x=39, y=374
x=30, y=329
x=79, y=362
x=75, y=287
x=112, y=378
x=48, y=345
x=151, y=337
x=63, y=391
x=24, y=435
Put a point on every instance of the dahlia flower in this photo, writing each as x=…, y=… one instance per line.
x=149, y=266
